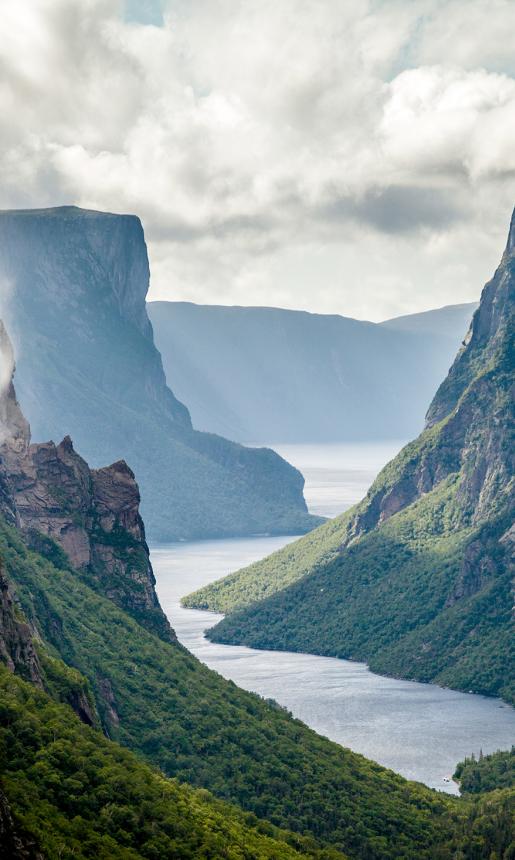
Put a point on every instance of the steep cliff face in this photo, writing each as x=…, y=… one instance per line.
x=469, y=420
x=52, y=495
x=17, y=649
x=74, y=285
x=93, y=514
x=418, y=578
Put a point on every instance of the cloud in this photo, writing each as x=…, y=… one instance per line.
x=304, y=153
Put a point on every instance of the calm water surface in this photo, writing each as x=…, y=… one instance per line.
x=419, y=730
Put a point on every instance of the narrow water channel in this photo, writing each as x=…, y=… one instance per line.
x=418, y=730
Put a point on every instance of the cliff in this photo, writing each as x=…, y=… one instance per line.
x=417, y=578
x=74, y=284
x=55, y=499
x=269, y=374
x=17, y=650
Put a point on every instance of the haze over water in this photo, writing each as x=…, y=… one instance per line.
x=418, y=730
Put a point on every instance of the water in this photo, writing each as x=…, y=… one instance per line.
x=337, y=476
x=418, y=730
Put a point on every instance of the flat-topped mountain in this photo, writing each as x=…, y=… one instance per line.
x=416, y=579
x=274, y=375
x=74, y=284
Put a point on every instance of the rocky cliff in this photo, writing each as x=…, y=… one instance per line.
x=17, y=650
x=73, y=284
x=418, y=578
x=55, y=499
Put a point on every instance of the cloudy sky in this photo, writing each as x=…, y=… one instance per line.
x=340, y=156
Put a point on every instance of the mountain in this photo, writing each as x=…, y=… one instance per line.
x=273, y=375
x=451, y=321
x=73, y=284
x=101, y=713
x=417, y=578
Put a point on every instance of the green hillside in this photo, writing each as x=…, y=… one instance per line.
x=194, y=725
x=76, y=794
x=416, y=579
x=487, y=772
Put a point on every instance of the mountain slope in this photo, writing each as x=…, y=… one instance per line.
x=72, y=793
x=75, y=794
x=73, y=286
x=417, y=578
x=267, y=374
x=68, y=792
x=78, y=795
x=451, y=321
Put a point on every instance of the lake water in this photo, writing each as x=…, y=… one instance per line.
x=418, y=730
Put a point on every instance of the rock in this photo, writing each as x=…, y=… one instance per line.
x=14, y=844
x=17, y=649
x=50, y=492
x=88, y=366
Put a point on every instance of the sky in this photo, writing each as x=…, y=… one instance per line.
x=338, y=156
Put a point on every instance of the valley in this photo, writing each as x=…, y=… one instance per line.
x=419, y=730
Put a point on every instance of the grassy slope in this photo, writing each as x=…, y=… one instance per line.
x=308, y=554
x=389, y=600
x=78, y=795
x=196, y=726
x=415, y=579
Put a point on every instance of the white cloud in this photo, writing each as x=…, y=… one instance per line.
x=354, y=157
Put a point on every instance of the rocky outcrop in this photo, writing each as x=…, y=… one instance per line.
x=468, y=423
x=88, y=366
x=17, y=649
x=91, y=514
x=14, y=844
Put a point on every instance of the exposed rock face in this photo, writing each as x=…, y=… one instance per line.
x=88, y=366
x=469, y=421
x=14, y=428
x=93, y=515
x=17, y=650
x=13, y=844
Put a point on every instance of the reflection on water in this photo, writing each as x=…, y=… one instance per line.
x=418, y=730
x=337, y=476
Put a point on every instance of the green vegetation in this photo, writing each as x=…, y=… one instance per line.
x=196, y=726
x=487, y=772
x=392, y=599
x=78, y=795
x=310, y=553
x=279, y=570
x=415, y=580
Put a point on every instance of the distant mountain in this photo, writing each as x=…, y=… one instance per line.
x=451, y=321
x=273, y=375
x=417, y=579
x=73, y=285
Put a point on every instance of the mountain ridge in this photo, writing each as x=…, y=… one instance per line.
x=416, y=578
x=277, y=375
